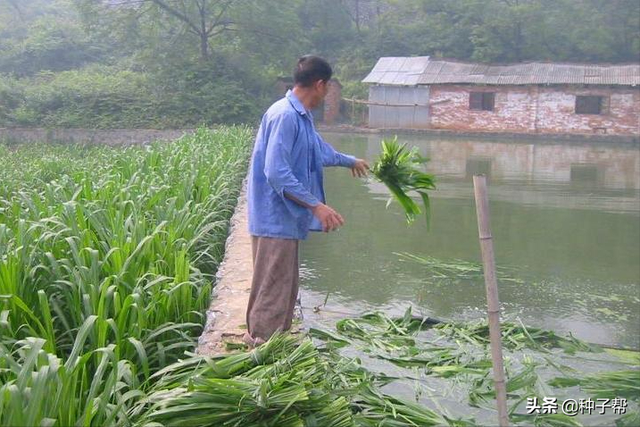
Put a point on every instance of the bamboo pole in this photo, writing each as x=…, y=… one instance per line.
x=493, y=304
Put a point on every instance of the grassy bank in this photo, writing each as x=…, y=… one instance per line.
x=107, y=257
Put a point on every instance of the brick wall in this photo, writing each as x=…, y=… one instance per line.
x=535, y=109
x=332, y=102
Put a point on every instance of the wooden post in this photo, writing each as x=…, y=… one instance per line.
x=353, y=113
x=493, y=304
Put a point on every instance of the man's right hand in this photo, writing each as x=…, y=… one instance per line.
x=329, y=218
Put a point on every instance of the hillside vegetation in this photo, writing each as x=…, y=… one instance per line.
x=181, y=63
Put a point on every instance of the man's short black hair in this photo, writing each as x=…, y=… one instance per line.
x=310, y=69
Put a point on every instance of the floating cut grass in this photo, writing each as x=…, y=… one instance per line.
x=515, y=336
x=606, y=385
x=399, y=169
x=380, y=331
x=107, y=257
x=457, y=269
x=459, y=353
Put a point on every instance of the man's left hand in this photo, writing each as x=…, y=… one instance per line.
x=360, y=168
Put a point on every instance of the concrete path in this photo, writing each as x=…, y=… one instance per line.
x=226, y=315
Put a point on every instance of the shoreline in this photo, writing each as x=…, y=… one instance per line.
x=145, y=136
x=510, y=136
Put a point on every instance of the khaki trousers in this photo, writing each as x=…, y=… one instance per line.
x=274, y=287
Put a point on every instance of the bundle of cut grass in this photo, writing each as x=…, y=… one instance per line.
x=283, y=383
x=374, y=409
x=398, y=169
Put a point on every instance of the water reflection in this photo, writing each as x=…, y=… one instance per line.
x=566, y=217
x=573, y=176
x=617, y=166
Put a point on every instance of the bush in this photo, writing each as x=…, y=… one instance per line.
x=103, y=97
x=11, y=94
x=92, y=98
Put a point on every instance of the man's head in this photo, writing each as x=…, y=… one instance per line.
x=312, y=75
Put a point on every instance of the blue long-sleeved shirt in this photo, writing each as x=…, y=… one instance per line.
x=288, y=157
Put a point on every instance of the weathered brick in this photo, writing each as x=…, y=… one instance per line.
x=332, y=102
x=535, y=109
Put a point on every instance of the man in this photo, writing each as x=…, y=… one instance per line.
x=286, y=197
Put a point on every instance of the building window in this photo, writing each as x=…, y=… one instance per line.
x=589, y=104
x=585, y=175
x=482, y=101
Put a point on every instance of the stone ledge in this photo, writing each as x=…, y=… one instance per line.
x=226, y=315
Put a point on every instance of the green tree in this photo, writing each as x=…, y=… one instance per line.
x=328, y=26
x=190, y=26
x=510, y=30
x=43, y=35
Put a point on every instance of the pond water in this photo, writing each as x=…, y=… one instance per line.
x=565, y=219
